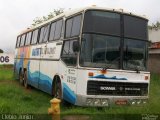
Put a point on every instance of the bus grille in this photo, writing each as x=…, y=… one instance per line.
x=116, y=88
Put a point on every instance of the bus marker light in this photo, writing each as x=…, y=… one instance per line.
x=146, y=77
x=103, y=71
x=90, y=74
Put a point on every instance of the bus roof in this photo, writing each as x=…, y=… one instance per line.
x=75, y=11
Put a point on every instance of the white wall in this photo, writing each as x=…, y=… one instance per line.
x=6, y=58
x=154, y=35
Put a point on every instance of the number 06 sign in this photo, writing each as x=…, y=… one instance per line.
x=6, y=58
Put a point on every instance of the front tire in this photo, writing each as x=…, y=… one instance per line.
x=57, y=90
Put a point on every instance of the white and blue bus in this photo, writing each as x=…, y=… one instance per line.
x=88, y=57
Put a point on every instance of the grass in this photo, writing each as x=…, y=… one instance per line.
x=6, y=74
x=16, y=99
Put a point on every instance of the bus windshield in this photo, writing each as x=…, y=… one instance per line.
x=100, y=50
x=135, y=52
x=113, y=40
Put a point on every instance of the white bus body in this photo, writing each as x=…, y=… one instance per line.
x=84, y=80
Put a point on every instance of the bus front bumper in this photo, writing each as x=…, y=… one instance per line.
x=104, y=101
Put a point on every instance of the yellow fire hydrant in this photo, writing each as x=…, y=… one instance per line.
x=54, y=110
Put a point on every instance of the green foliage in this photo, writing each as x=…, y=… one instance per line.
x=1, y=51
x=16, y=99
x=155, y=26
x=39, y=20
x=6, y=72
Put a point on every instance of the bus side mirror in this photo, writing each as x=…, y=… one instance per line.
x=75, y=46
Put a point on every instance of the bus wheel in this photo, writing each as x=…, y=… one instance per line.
x=25, y=79
x=21, y=77
x=57, y=91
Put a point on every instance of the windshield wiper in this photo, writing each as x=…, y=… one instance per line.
x=135, y=68
x=110, y=63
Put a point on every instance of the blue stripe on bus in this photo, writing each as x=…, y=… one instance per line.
x=68, y=94
x=44, y=82
x=19, y=64
x=104, y=77
x=33, y=78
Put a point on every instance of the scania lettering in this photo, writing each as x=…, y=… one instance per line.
x=88, y=57
x=107, y=88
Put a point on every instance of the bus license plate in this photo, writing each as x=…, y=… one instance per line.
x=121, y=102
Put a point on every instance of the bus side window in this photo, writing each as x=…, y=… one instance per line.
x=68, y=55
x=58, y=30
x=68, y=28
x=44, y=34
x=23, y=40
x=52, y=31
x=76, y=26
x=73, y=26
x=28, y=38
x=34, y=37
x=42, y=30
x=18, y=41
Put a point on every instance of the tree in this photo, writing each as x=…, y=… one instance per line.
x=1, y=51
x=39, y=20
x=155, y=26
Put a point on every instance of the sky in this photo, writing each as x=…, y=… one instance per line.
x=17, y=15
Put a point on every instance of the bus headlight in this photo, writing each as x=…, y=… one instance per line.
x=104, y=102
x=90, y=101
x=133, y=102
x=97, y=102
x=139, y=102
x=144, y=101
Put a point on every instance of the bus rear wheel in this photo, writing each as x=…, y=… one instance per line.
x=25, y=79
x=21, y=77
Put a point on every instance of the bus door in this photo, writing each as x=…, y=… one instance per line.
x=33, y=66
x=44, y=67
x=69, y=57
x=33, y=63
